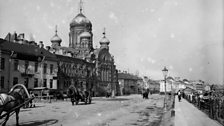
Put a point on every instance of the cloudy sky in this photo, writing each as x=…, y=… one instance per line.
x=146, y=35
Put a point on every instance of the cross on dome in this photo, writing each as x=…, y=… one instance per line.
x=104, y=42
x=56, y=31
x=104, y=32
x=80, y=6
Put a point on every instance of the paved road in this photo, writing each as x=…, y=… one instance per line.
x=120, y=111
x=188, y=115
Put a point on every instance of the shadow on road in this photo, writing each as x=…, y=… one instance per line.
x=117, y=99
x=40, y=122
x=111, y=99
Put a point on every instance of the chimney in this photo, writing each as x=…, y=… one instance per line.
x=15, y=37
x=41, y=45
x=21, y=36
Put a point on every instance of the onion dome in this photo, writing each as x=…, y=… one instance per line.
x=80, y=19
x=169, y=78
x=104, y=42
x=56, y=40
x=85, y=34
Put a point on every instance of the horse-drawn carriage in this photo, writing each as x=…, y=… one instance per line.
x=79, y=96
x=11, y=103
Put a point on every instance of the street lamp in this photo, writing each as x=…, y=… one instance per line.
x=165, y=72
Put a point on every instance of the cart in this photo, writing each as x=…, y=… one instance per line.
x=12, y=111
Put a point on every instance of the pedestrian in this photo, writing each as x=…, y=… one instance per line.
x=31, y=101
x=179, y=95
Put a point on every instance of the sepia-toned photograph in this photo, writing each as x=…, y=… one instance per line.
x=111, y=63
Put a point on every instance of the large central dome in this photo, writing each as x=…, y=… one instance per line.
x=80, y=19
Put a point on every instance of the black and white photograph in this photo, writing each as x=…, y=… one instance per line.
x=111, y=63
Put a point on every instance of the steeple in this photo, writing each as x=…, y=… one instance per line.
x=104, y=42
x=104, y=32
x=56, y=40
x=56, y=31
x=78, y=25
x=80, y=6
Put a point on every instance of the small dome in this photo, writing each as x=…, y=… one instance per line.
x=56, y=38
x=104, y=40
x=85, y=34
x=80, y=19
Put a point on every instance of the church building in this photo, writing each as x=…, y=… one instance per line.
x=104, y=78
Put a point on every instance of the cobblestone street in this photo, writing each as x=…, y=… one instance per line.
x=119, y=111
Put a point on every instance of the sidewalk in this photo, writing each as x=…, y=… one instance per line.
x=188, y=115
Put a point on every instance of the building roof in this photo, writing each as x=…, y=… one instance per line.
x=26, y=49
x=128, y=76
x=72, y=59
x=80, y=19
x=170, y=78
x=56, y=39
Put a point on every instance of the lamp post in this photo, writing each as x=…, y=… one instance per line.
x=165, y=72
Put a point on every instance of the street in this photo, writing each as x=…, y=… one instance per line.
x=120, y=111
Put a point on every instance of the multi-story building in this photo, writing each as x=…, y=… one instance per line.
x=154, y=86
x=198, y=85
x=75, y=71
x=26, y=62
x=129, y=84
x=172, y=85
x=71, y=69
x=58, y=66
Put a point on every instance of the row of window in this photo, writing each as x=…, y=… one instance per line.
x=44, y=82
x=26, y=82
x=2, y=82
x=16, y=66
x=72, y=66
x=71, y=72
x=2, y=63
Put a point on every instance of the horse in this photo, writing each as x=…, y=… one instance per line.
x=15, y=97
x=71, y=93
x=77, y=95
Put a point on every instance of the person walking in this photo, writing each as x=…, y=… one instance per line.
x=32, y=104
x=179, y=95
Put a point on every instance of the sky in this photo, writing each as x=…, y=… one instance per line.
x=186, y=36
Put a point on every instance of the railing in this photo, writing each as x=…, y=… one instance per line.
x=212, y=106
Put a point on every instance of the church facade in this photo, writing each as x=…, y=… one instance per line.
x=99, y=61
